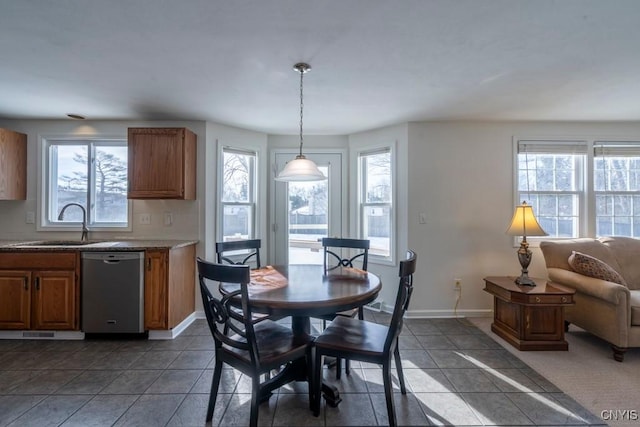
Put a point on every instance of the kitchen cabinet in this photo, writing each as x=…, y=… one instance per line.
x=13, y=165
x=169, y=291
x=39, y=291
x=162, y=163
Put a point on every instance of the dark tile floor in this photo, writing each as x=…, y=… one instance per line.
x=456, y=375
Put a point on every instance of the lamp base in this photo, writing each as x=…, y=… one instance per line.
x=525, y=280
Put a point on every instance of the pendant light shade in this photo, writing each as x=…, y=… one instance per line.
x=301, y=168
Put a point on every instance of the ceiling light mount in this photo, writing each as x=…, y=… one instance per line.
x=302, y=67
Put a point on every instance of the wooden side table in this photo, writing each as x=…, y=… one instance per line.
x=529, y=317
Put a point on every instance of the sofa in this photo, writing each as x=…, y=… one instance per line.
x=605, y=274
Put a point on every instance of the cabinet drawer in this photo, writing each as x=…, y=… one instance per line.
x=38, y=260
x=550, y=299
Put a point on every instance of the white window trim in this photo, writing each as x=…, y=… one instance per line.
x=357, y=220
x=587, y=208
x=255, y=227
x=42, y=222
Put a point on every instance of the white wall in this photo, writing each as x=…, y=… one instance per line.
x=461, y=177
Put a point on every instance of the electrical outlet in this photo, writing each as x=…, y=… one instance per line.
x=145, y=219
x=457, y=284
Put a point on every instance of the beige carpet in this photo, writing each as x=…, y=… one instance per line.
x=587, y=372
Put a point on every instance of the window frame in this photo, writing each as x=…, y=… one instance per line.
x=46, y=185
x=587, y=215
x=619, y=149
x=361, y=183
x=253, y=191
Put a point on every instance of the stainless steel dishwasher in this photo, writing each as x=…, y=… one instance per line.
x=112, y=292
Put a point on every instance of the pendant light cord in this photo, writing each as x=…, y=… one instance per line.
x=301, y=110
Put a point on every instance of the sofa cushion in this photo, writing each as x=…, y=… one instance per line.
x=593, y=267
x=626, y=250
x=635, y=308
x=556, y=252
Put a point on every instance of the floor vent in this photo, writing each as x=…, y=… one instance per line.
x=38, y=334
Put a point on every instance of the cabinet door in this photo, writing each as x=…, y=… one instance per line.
x=156, y=163
x=54, y=300
x=156, y=298
x=13, y=165
x=15, y=300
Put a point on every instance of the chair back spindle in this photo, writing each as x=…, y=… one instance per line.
x=333, y=259
x=252, y=246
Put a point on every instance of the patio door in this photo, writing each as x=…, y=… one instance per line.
x=305, y=212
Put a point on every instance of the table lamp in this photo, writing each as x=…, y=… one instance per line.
x=524, y=224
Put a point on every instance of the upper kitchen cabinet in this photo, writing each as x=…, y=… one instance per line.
x=162, y=163
x=13, y=165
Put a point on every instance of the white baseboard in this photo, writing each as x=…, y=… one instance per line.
x=426, y=314
x=173, y=333
x=41, y=335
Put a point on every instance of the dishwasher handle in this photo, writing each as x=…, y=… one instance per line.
x=111, y=261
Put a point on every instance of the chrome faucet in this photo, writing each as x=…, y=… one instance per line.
x=85, y=230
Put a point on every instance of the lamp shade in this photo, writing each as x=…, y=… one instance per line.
x=524, y=222
x=300, y=169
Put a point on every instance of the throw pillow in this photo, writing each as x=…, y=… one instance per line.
x=593, y=267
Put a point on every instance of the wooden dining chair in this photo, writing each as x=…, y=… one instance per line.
x=250, y=254
x=339, y=252
x=366, y=341
x=253, y=349
x=247, y=253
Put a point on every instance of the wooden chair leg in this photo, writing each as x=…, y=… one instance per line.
x=338, y=368
x=311, y=373
x=396, y=354
x=347, y=366
x=317, y=383
x=213, y=394
x=255, y=401
x=388, y=393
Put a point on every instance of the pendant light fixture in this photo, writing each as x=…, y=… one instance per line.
x=301, y=168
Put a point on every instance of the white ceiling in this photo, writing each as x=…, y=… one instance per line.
x=375, y=62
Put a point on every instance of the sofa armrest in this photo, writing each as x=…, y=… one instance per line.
x=597, y=288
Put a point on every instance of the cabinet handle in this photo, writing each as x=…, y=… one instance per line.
x=537, y=299
x=26, y=284
x=564, y=299
x=148, y=264
x=37, y=283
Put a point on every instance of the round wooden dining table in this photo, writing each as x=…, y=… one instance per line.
x=303, y=291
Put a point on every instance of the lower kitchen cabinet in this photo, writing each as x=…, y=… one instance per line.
x=39, y=291
x=169, y=286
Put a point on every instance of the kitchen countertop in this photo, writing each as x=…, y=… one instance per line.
x=58, y=245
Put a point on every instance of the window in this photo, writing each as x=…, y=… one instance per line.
x=581, y=188
x=375, y=201
x=617, y=188
x=91, y=173
x=238, y=194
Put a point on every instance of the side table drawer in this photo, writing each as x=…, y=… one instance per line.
x=550, y=299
